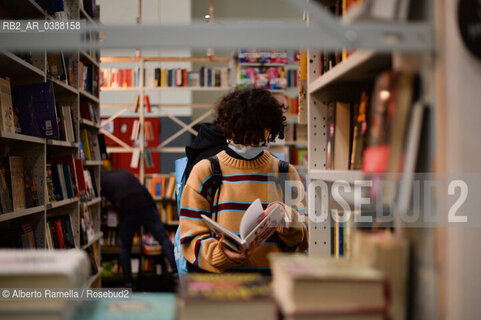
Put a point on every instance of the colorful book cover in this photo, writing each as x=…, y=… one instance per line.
x=224, y=287
x=50, y=187
x=84, y=137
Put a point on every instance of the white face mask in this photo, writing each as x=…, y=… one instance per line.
x=247, y=152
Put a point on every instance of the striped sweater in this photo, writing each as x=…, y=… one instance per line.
x=243, y=181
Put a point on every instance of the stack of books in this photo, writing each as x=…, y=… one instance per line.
x=308, y=287
x=225, y=296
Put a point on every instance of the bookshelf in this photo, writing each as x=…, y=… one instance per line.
x=142, y=88
x=37, y=152
x=254, y=68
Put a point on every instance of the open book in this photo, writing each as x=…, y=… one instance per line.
x=250, y=229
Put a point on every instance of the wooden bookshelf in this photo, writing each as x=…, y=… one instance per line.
x=60, y=143
x=97, y=237
x=88, y=123
x=36, y=151
x=361, y=67
x=62, y=203
x=21, y=213
x=16, y=137
x=15, y=67
x=94, y=201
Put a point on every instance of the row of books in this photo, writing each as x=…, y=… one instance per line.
x=92, y=145
x=161, y=186
x=148, y=130
x=88, y=78
x=296, y=156
x=29, y=109
x=168, y=212
x=372, y=139
x=62, y=67
x=67, y=178
x=111, y=237
x=18, y=186
x=88, y=111
x=329, y=59
x=59, y=233
x=273, y=78
x=32, y=110
x=158, y=77
x=292, y=77
x=267, y=56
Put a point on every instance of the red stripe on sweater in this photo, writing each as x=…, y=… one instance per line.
x=190, y=213
x=250, y=177
x=186, y=239
x=235, y=206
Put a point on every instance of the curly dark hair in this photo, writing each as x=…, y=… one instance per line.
x=244, y=114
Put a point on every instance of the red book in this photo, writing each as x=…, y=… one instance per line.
x=147, y=103
x=79, y=170
x=184, y=77
x=59, y=232
x=85, y=110
x=120, y=78
x=375, y=159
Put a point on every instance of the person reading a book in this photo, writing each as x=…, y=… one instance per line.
x=250, y=119
x=136, y=208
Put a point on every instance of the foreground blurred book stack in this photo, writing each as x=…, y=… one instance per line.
x=225, y=296
x=328, y=289
x=38, y=269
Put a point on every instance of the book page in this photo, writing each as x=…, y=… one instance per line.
x=267, y=226
x=220, y=230
x=249, y=220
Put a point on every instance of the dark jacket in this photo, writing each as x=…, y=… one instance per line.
x=208, y=142
x=124, y=191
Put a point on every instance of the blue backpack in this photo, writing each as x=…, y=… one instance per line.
x=184, y=266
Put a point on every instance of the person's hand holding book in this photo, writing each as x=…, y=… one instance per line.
x=240, y=257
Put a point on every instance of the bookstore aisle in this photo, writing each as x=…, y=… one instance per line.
x=381, y=124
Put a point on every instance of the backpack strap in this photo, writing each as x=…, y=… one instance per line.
x=281, y=179
x=216, y=183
